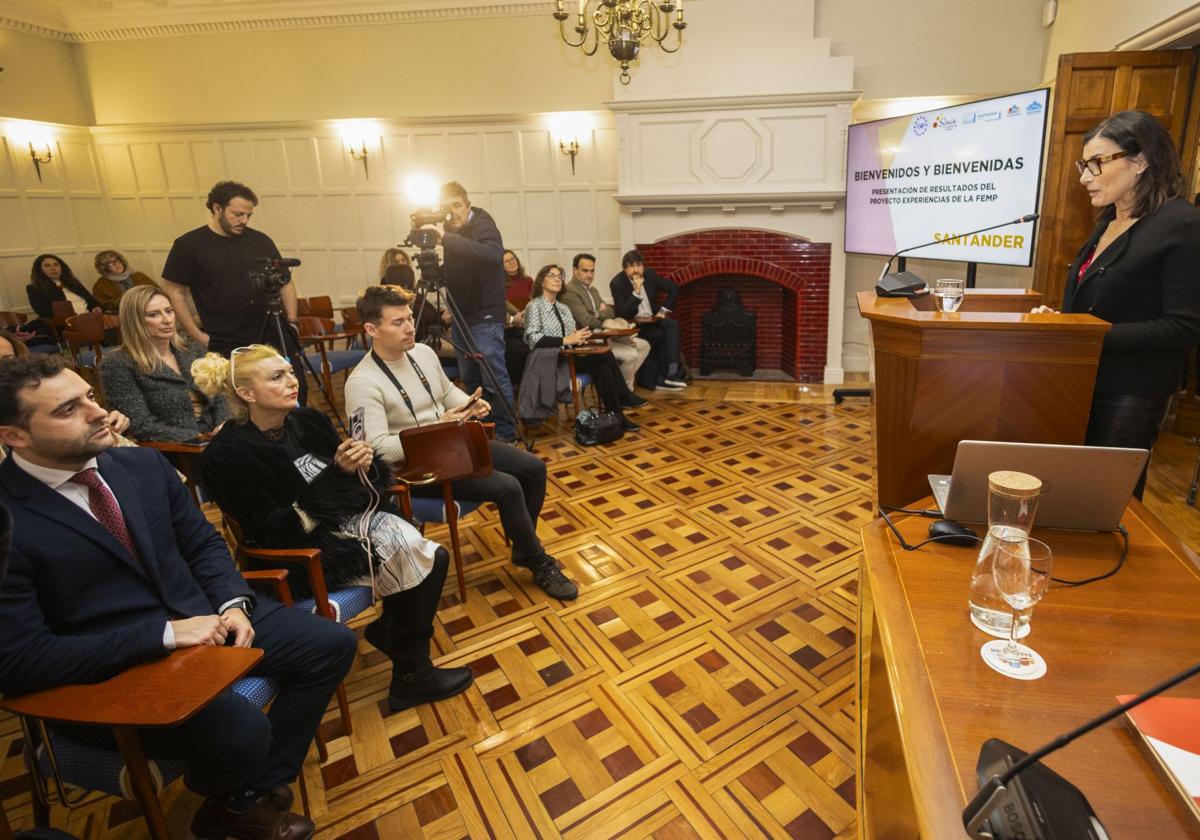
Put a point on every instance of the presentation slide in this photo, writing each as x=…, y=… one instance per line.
x=934, y=176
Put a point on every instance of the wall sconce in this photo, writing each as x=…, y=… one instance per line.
x=571, y=149
x=36, y=137
x=357, y=137
x=567, y=127
x=40, y=157
x=359, y=152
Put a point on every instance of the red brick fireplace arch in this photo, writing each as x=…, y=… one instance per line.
x=783, y=279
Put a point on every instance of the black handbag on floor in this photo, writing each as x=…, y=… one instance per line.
x=596, y=427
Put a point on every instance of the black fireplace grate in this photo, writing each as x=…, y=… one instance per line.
x=728, y=336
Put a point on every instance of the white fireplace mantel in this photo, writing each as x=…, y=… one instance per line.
x=771, y=162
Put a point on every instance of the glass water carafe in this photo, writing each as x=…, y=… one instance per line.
x=1012, y=506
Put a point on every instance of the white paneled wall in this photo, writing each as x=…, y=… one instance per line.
x=136, y=189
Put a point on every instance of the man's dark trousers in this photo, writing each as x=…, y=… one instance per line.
x=231, y=742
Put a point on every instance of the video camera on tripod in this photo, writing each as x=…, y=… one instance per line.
x=270, y=275
x=426, y=241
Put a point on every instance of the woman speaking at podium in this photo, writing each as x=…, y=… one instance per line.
x=1140, y=271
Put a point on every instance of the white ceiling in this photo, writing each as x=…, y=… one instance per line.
x=104, y=20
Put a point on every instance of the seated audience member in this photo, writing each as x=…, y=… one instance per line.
x=635, y=292
x=284, y=476
x=116, y=278
x=590, y=311
x=11, y=346
x=149, y=377
x=391, y=257
x=51, y=279
x=34, y=335
x=518, y=288
x=549, y=323
x=113, y=565
x=400, y=384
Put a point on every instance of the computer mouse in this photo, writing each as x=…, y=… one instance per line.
x=952, y=533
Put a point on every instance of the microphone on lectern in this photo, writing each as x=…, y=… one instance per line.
x=1019, y=798
x=907, y=284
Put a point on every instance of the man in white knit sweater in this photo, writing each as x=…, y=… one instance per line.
x=400, y=384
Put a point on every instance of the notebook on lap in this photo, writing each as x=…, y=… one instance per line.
x=1088, y=487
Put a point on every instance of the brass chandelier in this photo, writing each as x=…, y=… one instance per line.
x=624, y=25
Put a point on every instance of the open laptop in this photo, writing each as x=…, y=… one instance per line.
x=1088, y=486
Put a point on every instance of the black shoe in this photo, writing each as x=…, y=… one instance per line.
x=215, y=821
x=628, y=425
x=550, y=579
x=673, y=382
x=281, y=797
x=426, y=685
x=633, y=401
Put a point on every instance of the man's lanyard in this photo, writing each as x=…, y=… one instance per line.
x=403, y=393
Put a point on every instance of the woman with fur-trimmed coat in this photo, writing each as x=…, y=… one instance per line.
x=288, y=481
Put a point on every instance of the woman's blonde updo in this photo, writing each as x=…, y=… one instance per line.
x=215, y=374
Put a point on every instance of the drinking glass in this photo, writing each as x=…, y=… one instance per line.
x=948, y=294
x=1021, y=572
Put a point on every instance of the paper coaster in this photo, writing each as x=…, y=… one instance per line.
x=1030, y=666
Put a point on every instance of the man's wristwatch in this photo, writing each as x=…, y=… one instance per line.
x=243, y=604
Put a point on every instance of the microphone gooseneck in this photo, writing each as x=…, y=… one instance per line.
x=1028, y=217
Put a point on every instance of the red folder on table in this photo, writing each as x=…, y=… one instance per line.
x=1169, y=729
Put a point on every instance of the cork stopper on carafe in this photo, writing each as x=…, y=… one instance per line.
x=1014, y=483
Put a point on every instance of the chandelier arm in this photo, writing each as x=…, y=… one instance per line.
x=678, y=42
x=562, y=31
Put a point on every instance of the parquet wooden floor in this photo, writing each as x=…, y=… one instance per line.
x=702, y=686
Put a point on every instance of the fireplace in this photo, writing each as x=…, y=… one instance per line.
x=783, y=280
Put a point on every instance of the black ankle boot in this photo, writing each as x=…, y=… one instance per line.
x=425, y=685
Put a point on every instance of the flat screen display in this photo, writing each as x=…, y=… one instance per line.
x=934, y=176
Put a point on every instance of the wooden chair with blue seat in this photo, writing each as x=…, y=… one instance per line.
x=581, y=381
x=340, y=605
x=155, y=694
x=327, y=358
x=442, y=453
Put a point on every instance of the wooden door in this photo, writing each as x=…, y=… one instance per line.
x=1089, y=87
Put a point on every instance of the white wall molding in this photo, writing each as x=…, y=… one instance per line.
x=128, y=22
x=1166, y=33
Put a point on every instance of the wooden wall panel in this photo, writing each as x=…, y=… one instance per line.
x=1090, y=87
x=137, y=189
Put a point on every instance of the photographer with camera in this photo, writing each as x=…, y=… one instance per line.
x=474, y=276
x=233, y=272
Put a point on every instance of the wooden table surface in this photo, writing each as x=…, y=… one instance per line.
x=1116, y=636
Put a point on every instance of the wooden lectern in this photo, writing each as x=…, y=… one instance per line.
x=990, y=371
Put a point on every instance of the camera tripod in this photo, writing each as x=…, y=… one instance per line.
x=432, y=282
x=274, y=332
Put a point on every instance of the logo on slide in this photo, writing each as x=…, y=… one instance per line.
x=945, y=123
x=1033, y=107
x=920, y=126
x=968, y=119
x=1014, y=110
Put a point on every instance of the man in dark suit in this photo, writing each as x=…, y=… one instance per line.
x=112, y=565
x=635, y=292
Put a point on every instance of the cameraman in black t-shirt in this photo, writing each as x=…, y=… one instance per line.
x=214, y=261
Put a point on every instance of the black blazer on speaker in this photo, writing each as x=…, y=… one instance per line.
x=1147, y=285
